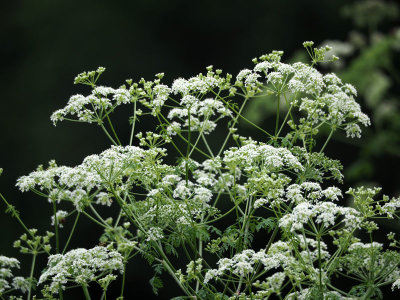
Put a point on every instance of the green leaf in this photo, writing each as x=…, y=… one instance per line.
x=156, y=284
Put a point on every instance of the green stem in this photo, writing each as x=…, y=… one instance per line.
x=277, y=116
x=108, y=135
x=56, y=227
x=86, y=292
x=123, y=282
x=234, y=123
x=244, y=118
x=188, y=149
x=181, y=136
x=319, y=259
x=72, y=231
x=31, y=275
x=112, y=129
x=368, y=294
x=289, y=113
x=133, y=124
x=327, y=140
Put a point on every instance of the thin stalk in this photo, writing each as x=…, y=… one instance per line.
x=31, y=275
x=367, y=295
x=327, y=140
x=123, y=282
x=181, y=136
x=56, y=227
x=277, y=116
x=319, y=259
x=108, y=135
x=188, y=149
x=200, y=254
x=133, y=124
x=234, y=123
x=289, y=113
x=244, y=118
x=112, y=129
x=72, y=231
x=94, y=220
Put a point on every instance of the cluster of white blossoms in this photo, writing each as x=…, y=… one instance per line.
x=80, y=266
x=311, y=192
x=200, y=84
x=242, y=264
x=91, y=108
x=255, y=157
x=173, y=202
x=390, y=207
x=118, y=167
x=196, y=114
x=296, y=193
x=196, y=111
x=7, y=279
x=325, y=213
x=279, y=257
x=323, y=98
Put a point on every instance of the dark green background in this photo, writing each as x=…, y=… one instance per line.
x=45, y=43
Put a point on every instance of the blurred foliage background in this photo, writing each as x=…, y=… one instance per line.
x=45, y=43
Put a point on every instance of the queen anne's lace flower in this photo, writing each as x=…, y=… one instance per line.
x=80, y=266
x=85, y=107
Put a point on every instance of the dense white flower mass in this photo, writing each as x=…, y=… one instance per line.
x=80, y=266
x=199, y=115
x=325, y=98
x=324, y=213
x=122, y=165
x=253, y=156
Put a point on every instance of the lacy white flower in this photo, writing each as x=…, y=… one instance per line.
x=323, y=212
x=88, y=108
x=80, y=266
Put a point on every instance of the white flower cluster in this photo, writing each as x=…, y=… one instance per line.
x=311, y=192
x=173, y=202
x=7, y=279
x=390, y=207
x=80, y=266
x=324, y=213
x=90, y=108
x=242, y=264
x=279, y=256
x=118, y=165
x=154, y=234
x=258, y=156
x=200, y=83
x=325, y=98
x=197, y=114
